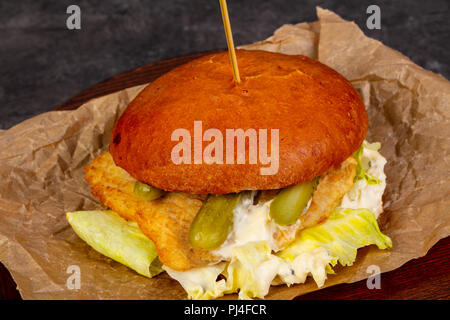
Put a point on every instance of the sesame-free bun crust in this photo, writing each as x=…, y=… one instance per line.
x=320, y=117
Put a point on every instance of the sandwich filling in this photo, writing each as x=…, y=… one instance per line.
x=339, y=217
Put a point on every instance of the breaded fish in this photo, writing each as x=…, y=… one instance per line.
x=332, y=187
x=165, y=221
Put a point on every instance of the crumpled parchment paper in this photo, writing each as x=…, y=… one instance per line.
x=42, y=160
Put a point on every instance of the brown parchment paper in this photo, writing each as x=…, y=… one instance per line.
x=41, y=163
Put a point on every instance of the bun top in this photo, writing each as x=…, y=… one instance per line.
x=320, y=118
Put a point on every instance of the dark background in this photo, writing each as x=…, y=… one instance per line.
x=42, y=63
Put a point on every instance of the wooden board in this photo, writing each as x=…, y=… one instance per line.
x=424, y=278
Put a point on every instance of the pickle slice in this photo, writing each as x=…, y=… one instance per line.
x=290, y=203
x=214, y=221
x=146, y=192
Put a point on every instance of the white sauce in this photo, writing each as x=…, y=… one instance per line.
x=368, y=196
x=314, y=263
x=250, y=223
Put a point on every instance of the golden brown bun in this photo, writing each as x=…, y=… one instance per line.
x=320, y=117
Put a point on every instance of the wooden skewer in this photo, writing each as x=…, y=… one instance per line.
x=230, y=43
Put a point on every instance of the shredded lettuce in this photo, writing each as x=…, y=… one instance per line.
x=315, y=263
x=200, y=283
x=361, y=172
x=253, y=266
x=345, y=231
x=251, y=270
x=116, y=238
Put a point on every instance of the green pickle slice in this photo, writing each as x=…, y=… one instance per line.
x=290, y=203
x=146, y=192
x=214, y=221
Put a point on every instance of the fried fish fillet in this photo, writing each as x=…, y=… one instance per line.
x=332, y=187
x=165, y=221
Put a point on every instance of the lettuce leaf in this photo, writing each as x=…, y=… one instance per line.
x=116, y=238
x=361, y=173
x=345, y=231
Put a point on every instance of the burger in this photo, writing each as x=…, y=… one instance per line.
x=233, y=187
